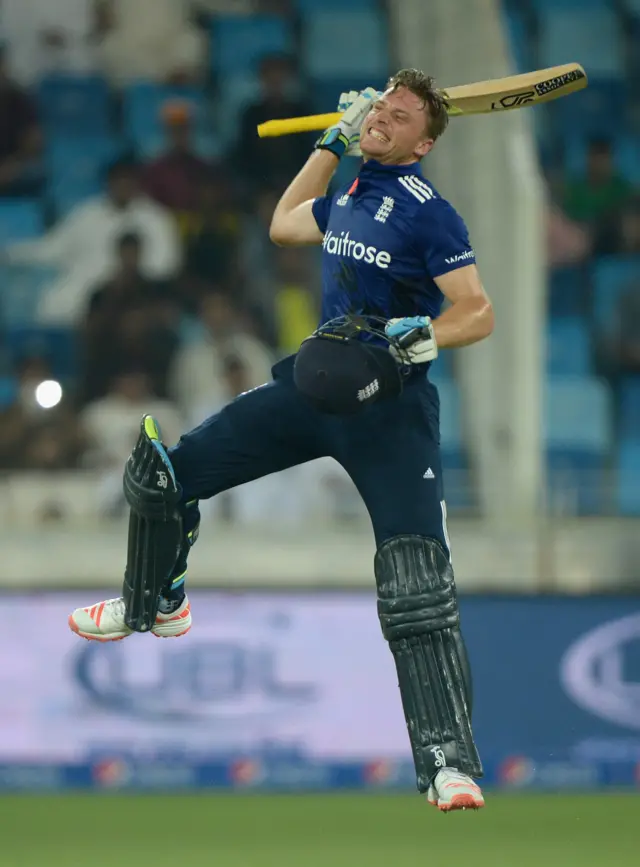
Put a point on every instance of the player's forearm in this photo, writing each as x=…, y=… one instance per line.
x=292, y=220
x=467, y=321
x=311, y=181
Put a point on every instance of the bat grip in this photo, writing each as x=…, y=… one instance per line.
x=286, y=126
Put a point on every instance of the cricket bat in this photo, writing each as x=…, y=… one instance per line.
x=481, y=97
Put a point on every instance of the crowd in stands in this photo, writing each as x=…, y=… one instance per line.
x=163, y=280
x=589, y=147
x=155, y=262
x=597, y=216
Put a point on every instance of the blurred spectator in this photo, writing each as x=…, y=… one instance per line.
x=601, y=191
x=257, y=251
x=228, y=7
x=20, y=138
x=131, y=321
x=212, y=238
x=111, y=426
x=201, y=380
x=620, y=234
x=82, y=246
x=112, y=423
x=40, y=430
x=46, y=37
x=174, y=179
x=568, y=242
x=275, y=160
x=243, y=7
x=150, y=39
x=236, y=376
x=295, y=306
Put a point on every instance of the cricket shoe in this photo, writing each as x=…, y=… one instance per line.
x=104, y=621
x=452, y=790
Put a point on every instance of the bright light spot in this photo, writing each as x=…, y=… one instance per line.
x=49, y=393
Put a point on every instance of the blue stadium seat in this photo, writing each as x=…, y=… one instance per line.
x=325, y=92
x=75, y=104
x=630, y=407
x=8, y=391
x=22, y=286
x=628, y=477
x=329, y=49
x=577, y=414
x=611, y=276
x=625, y=153
x=142, y=105
x=578, y=440
x=238, y=44
x=593, y=37
x=20, y=220
x=567, y=292
x=517, y=33
x=58, y=345
x=627, y=159
x=304, y=6
x=567, y=347
x=235, y=92
x=572, y=5
x=600, y=108
x=77, y=167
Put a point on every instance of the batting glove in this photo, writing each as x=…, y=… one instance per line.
x=346, y=101
x=413, y=339
x=340, y=136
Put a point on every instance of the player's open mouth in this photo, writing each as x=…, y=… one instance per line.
x=375, y=133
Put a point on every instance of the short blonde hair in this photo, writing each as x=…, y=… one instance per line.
x=423, y=86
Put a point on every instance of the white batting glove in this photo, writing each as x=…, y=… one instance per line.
x=415, y=342
x=339, y=137
x=346, y=101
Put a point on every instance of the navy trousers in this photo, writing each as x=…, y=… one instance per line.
x=391, y=450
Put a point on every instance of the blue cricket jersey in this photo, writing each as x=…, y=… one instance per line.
x=386, y=237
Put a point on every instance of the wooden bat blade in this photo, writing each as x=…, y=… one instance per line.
x=516, y=91
x=481, y=97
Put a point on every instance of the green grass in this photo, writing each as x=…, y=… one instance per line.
x=377, y=830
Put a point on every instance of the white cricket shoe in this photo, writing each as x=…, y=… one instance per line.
x=452, y=790
x=104, y=621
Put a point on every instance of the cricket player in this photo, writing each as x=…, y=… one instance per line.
x=358, y=390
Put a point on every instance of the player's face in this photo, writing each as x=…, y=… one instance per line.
x=394, y=131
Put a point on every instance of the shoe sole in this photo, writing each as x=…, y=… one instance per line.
x=178, y=621
x=461, y=802
x=172, y=634
x=104, y=639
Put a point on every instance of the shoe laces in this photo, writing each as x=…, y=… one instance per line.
x=117, y=606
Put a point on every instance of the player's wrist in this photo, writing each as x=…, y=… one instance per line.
x=333, y=140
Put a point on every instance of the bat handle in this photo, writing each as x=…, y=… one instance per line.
x=286, y=126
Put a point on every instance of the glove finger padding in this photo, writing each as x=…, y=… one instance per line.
x=359, y=109
x=348, y=97
x=339, y=137
x=346, y=100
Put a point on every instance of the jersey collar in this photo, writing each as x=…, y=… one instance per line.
x=371, y=168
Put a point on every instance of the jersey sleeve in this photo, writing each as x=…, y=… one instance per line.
x=321, y=209
x=443, y=239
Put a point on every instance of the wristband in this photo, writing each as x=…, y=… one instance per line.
x=333, y=140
